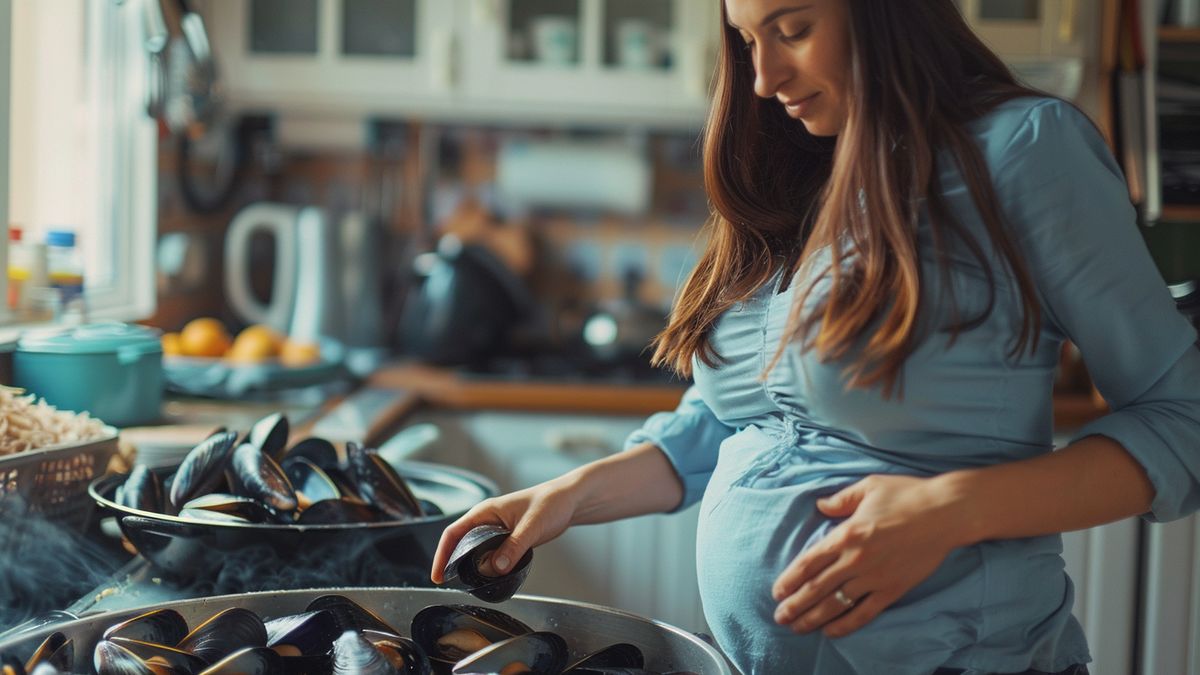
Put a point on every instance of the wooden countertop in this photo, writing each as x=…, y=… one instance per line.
x=438, y=387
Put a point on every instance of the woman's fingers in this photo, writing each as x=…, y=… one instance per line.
x=480, y=515
x=828, y=607
x=810, y=594
x=864, y=611
x=806, y=566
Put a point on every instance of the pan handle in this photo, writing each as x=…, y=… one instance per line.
x=166, y=543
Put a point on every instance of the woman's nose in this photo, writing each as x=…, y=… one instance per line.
x=769, y=73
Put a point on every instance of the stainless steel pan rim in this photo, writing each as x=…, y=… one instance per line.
x=466, y=481
x=587, y=627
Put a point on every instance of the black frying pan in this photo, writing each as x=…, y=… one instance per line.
x=301, y=554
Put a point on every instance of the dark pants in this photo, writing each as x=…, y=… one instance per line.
x=1073, y=670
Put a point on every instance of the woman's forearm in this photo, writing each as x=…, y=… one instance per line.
x=631, y=483
x=1088, y=483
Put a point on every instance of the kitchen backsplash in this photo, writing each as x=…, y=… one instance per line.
x=416, y=181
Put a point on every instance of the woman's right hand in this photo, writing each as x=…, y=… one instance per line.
x=534, y=516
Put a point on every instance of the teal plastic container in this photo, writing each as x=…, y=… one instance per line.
x=113, y=371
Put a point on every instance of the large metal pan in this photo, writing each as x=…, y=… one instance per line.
x=188, y=548
x=586, y=628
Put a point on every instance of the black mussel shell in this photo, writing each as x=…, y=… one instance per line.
x=308, y=634
x=430, y=509
x=160, y=626
x=45, y=669
x=540, y=653
x=202, y=468
x=113, y=659
x=310, y=480
x=255, y=475
x=350, y=614
x=318, y=451
x=621, y=655
x=142, y=490
x=248, y=661
x=337, y=512
x=380, y=485
x=245, y=508
x=225, y=633
x=177, y=659
x=404, y=654
x=447, y=633
x=473, y=550
x=56, y=650
x=353, y=655
x=270, y=435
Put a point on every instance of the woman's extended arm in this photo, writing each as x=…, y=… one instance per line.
x=632, y=483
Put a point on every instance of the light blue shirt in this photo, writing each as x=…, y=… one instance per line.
x=759, y=453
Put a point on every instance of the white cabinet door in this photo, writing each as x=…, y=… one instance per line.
x=637, y=60
x=356, y=56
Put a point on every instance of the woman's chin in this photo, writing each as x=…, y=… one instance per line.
x=821, y=127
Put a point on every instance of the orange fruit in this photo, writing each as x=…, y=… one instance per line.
x=297, y=353
x=172, y=345
x=254, y=344
x=204, y=337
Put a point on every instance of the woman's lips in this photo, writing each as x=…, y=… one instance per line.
x=800, y=107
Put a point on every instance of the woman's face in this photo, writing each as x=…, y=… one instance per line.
x=801, y=54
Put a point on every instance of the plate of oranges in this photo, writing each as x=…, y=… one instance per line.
x=206, y=358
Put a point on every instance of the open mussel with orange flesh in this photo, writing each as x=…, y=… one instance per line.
x=355, y=654
x=380, y=485
x=253, y=474
x=270, y=435
x=142, y=490
x=450, y=633
x=203, y=469
x=470, y=566
x=160, y=626
x=540, y=653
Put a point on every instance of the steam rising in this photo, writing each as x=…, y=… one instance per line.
x=44, y=566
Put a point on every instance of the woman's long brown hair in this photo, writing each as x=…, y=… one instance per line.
x=919, y=75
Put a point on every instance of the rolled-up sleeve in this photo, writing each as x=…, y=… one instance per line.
x=690, y=437
x=1069, y=206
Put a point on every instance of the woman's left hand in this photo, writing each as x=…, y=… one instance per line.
x=898, y=529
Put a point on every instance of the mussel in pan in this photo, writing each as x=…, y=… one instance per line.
x=248, y=661
x=354, y=654
x=142, y=490
x=178, y=660
x=160, y=626
x=270, y=435
x=245, y=508
x=540, y=653
x=380, y=485
x=350, y=614
x=55, y=651
x=224, y=633
x=470, y=567
x=253, y=474
x=449, y=633
x=621, y=655
x=202, y=469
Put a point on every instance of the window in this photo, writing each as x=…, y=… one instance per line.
x=81, y=150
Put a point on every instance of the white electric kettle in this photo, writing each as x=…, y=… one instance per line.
x=306, y=285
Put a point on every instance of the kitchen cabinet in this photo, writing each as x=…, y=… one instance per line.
x=630, y=61
x=643, y=565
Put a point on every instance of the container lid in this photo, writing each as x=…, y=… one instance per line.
x=60, y=238
x=96, y=338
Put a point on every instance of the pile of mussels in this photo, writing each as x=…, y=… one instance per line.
x=262, y=480
x=333, y=635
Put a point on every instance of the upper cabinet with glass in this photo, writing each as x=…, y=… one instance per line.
x=519, y=60
x=335, y=55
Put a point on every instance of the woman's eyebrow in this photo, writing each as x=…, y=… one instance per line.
x=773, y=16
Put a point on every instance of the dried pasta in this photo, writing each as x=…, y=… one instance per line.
x=27, y=423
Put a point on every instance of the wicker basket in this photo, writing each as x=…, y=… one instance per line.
x=50, y=485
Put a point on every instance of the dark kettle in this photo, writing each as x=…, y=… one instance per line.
x=465, y=308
